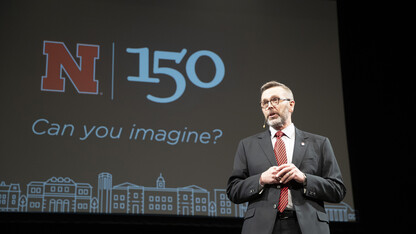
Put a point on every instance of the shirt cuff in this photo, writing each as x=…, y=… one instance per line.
x=261, y=187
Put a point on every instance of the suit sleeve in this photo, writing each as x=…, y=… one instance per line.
x=327, y=186
x=242, y=186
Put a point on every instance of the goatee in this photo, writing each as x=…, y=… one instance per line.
x=277, y=123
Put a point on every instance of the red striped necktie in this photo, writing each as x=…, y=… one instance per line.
x=281, y=158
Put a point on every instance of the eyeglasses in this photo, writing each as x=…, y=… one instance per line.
x=274, y=101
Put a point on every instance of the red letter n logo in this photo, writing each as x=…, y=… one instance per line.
x=59, y=59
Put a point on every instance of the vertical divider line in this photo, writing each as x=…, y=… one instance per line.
x=112, y=73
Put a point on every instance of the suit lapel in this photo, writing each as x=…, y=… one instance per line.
x=266, y=145
x=300, y=147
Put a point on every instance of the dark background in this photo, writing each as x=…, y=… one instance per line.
x=376, y=57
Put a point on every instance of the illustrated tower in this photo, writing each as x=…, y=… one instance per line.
x=105, y=187
x=160, y=182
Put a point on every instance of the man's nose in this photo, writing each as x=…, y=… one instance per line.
x=269, y=104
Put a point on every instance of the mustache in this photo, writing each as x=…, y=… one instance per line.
x=272, y=113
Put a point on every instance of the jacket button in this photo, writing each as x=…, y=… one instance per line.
x=274, y=206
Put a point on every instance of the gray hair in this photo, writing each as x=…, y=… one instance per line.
x=272, y=84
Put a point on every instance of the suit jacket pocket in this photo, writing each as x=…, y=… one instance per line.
x=249, y=213
x=323, y=217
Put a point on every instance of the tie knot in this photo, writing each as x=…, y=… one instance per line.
x=279, y=134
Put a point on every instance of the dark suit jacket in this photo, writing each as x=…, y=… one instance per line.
x=313, y=155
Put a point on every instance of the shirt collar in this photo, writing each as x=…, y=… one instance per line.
x=289, y=131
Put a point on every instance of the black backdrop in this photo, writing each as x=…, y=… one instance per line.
x=376, y=54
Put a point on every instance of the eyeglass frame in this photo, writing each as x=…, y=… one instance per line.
x=273, y=101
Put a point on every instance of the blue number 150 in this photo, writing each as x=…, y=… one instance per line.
x=176, y=75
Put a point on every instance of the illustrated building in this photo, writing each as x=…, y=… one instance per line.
x=341, y=212
x=35, y=193
x=224, y=206
x=198, y=202
x=105, y=187
x=83, y=195
x=127, y=198
x=9, y=197
x=159, y=199
x=59, y=194
x=134, y=199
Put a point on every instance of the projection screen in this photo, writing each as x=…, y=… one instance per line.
x=137, y=107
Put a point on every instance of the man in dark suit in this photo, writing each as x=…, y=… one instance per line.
x=285, y=174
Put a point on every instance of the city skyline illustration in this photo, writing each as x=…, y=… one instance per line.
x=64, y=195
